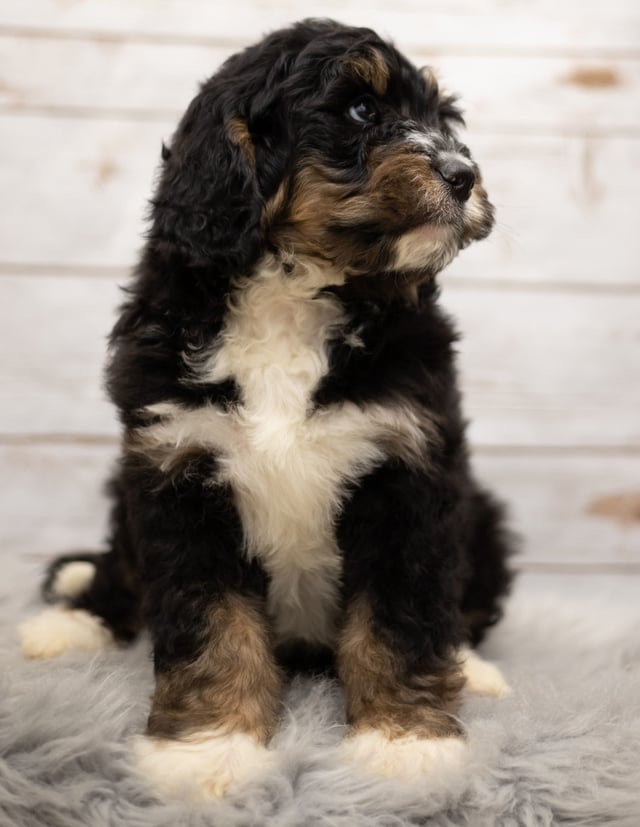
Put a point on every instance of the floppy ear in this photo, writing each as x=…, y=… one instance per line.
x=207, y=206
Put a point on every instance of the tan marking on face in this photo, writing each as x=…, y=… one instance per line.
x=234, y=685
x=381, y=695
x=401, y=191
x=239, y=135
x=478, y=213
x=315, y=199
x=370, y=67
x=405, y=188
x=303, y=226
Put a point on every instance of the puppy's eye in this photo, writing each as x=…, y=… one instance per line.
x=364, y=110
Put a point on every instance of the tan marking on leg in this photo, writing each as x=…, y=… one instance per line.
x=380, y=695
x=233, y=686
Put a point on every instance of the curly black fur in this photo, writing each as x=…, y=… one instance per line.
x=269, y=136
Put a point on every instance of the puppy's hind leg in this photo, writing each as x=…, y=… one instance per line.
x=96, y=596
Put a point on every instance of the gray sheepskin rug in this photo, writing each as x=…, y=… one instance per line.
x=564, y=748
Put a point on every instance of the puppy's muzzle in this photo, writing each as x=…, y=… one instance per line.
x=449, y=160
x=457, y=173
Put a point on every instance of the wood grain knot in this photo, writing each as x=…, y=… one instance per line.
x=593, y=77
x=623, y=508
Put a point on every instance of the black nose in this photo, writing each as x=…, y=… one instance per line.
x=458, y=175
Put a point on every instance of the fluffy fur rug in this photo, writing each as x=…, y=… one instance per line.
x=563, y=749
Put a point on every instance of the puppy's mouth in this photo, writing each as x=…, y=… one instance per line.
x=430, y=246
x=440, y=197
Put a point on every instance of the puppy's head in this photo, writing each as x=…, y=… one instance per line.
x=320, y=141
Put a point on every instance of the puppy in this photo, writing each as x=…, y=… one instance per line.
x=294, y=483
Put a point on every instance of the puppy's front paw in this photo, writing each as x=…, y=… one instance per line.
x=201, y=766
x=408, y=756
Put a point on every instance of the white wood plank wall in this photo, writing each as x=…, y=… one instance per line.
x=549, y=306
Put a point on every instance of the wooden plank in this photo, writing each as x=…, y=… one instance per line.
x=156, y=80
x=56, y=500
x=538, y=367
x=55, y=503
x=571, y=26
x=549, y=368
x=550, y=498
x=543, y=94
x=563, y=214
x=79, y=189
x=53, y=334
x=101, y=76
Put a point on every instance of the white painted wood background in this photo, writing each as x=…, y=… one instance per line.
x=549, y=305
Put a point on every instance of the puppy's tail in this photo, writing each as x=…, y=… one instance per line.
x=97, y=601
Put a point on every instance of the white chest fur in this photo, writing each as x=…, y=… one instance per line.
x=287, y=465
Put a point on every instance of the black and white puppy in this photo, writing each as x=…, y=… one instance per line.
x=294, y=486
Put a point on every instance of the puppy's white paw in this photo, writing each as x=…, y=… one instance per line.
x=202, y=766
x=73, y=579
x=59, y=630
x=408, y=757
x=483, y=677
